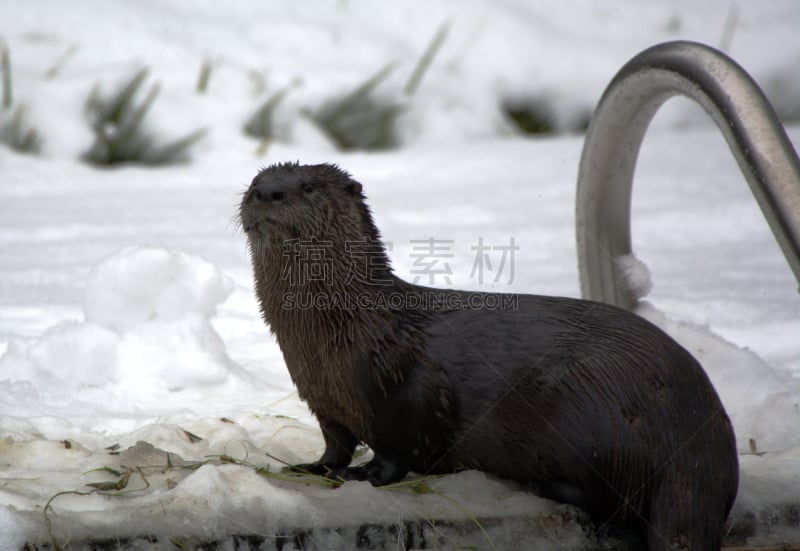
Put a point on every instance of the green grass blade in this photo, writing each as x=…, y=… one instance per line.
x=425, y=61
x=351, y=100
x=5, y=62
x=204, y=77
x=116, y=108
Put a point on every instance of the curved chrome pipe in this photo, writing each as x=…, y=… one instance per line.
x=743, y=115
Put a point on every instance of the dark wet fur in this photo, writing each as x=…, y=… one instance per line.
x=594, y=405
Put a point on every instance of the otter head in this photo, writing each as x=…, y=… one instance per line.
x=293, y=201
x=289, y=204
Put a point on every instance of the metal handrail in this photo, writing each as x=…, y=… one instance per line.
x=605, y=178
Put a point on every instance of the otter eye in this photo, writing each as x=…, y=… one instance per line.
x=308, y=188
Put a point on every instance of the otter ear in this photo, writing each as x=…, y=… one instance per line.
x=353, y=188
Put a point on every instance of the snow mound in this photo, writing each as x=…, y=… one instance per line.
x=141, y=284
x=147, y=331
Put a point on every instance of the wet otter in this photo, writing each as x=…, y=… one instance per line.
x=595, y=405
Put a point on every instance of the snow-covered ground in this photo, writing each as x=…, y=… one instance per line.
x=126, y=309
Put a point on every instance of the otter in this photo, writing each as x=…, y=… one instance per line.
x=590, y=404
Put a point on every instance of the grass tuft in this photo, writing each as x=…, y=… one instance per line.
x=359, y=119
x=530, y=116
x=53, y=71
x=363, y=120
x=15, y=132
x=5, y=66
x=261, y=124
x=118, y=124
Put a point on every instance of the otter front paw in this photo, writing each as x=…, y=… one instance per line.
x=378, y=472
x=351, y=473
x=316, y=468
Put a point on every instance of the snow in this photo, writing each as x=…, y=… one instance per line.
x=636, y=274
x=127, y=316
x=14, y=535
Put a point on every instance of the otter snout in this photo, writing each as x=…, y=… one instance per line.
x=262, y=202
x=267, y=191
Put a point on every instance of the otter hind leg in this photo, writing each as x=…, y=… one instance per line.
x=677, y=523
x=695, y=492
x=564, y=491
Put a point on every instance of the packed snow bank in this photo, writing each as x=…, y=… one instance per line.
x=217, y=493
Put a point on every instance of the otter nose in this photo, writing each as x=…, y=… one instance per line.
x=267, y=191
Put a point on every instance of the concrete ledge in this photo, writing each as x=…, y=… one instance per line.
x=570, y=530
